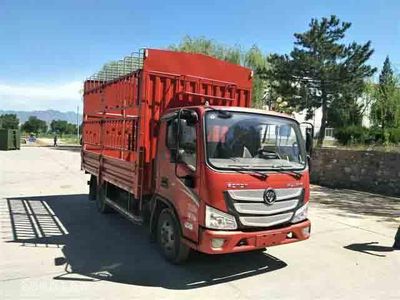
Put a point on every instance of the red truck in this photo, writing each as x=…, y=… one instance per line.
x=170, y=141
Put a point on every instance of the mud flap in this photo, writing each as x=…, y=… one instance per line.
x=396, y=244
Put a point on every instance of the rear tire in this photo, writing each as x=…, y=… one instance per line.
x=169, y=238
x=93, y=188
x=101, y=204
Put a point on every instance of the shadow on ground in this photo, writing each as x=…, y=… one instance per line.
x=72, y=148
x=108, y=247
x=369, y=248
x=360, y=204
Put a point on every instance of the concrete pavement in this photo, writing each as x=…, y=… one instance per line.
x=55, y=245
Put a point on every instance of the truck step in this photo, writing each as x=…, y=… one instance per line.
x=131, y=217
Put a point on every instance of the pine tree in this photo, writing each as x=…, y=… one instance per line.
x=386, y=107
x=321, y=71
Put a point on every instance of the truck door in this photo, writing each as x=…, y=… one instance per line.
x=177, y=167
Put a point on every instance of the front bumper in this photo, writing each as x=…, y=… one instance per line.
x=239, y=241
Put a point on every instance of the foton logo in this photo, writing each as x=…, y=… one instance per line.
x=236, y=185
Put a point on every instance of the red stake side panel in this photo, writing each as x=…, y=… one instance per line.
x=197, y=65
x=121, y=117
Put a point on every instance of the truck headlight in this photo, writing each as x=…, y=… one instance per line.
x=300, y=214
x=216, y=219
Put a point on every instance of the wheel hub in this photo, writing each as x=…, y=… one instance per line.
x=167, y=235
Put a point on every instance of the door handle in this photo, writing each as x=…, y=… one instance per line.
x=164, y=182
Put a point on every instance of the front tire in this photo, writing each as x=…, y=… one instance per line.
x=169, y=238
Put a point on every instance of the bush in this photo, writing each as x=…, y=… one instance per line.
x=394, y=135
x=352, y=135
x=376, y=135
x=361, y=135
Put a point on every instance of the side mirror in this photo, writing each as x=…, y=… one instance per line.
x=309, y=143
x=309, y=137
x=191, y=117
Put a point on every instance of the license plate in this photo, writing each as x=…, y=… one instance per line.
x=270, y=239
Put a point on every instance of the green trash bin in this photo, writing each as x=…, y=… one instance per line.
x=10, y=139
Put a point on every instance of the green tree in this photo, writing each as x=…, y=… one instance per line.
x=9, y=121
x=209, y=47
x=385, y=109
x=59, y=126
x=62, y=127
x=256, y=60
x=321, y=71
x=345, y=113
x=253, y=58
x=34, y=125
x=71, y=128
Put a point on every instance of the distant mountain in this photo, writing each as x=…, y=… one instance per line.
x=46, y=115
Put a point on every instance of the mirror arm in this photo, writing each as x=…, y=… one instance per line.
x=178, y=133
x=309, y=163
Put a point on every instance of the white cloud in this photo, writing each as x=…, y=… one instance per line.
x=63, y=97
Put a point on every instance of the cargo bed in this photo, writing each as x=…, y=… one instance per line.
x=123, y=105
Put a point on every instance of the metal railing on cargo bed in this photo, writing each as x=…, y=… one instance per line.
x=116, y=70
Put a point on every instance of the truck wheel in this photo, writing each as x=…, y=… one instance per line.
x=169, y=238
x=101, y=205
x=92, y=188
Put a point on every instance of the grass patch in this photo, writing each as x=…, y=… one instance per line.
x=71, y=140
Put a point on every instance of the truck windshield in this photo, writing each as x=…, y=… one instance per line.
x=237, y=140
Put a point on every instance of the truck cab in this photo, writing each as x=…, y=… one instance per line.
x=237, y=179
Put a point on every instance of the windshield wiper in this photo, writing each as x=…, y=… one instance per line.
x=245, y=170
x=282, y=169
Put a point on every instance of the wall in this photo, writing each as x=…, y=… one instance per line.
x=370, y=171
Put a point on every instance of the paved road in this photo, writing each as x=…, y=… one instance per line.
x=54, y=245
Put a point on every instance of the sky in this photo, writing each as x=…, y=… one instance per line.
x=47, y=48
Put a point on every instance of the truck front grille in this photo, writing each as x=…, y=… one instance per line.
x=249, y=206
